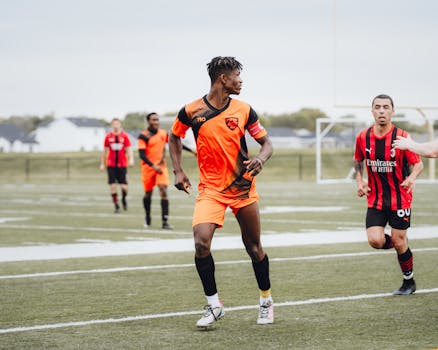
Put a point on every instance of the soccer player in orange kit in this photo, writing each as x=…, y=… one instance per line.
x=227, y=179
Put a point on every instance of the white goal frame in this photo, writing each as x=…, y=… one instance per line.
x=330, y=122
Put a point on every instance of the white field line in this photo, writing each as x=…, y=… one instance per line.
x=96, y=229
x=222, y=242
x=229, y=262
x=188, y=313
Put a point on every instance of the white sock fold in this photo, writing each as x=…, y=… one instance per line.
x=213, y=300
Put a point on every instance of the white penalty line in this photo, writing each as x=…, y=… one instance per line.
x=188, y=313
x=174, y=266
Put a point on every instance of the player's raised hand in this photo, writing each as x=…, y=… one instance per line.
x=253, y=166
x=182, y=182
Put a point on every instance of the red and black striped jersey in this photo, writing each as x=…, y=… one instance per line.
x=387, y=168
x=117, y=145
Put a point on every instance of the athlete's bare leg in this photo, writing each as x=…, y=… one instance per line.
x=400, y=241
x=203, y=234
x=376, y=236
x=249, y=221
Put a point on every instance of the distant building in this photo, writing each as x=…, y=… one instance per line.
x=70, y=135
x=14, y=139
x=286, y=138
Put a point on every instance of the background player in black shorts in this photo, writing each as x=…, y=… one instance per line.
x=117, y=154
x=391, y=176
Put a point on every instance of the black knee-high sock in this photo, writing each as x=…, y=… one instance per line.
x=124, y=194
x=388, y=242
x=205, y=267
x=147, y=208
x=406, y=261
x=261, y=270
x=164, y=209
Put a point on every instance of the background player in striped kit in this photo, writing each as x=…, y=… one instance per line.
x=116, y=147
x=391, y=177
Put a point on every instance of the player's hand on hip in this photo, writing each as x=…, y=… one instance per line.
x=253, y=166
x=408, y=184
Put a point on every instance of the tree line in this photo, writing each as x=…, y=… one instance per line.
x=304, y=118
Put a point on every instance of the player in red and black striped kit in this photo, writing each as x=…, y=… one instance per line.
x=391, y=176
x=116, y=147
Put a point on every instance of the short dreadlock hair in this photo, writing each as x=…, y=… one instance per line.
x=220, y=65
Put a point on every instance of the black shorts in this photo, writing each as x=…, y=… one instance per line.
x=117, y=175
x=398, y=219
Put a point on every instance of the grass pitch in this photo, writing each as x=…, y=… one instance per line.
x=314, y=309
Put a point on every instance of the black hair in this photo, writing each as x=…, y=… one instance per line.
x=220, y=65
x=384, y=97
x=150, y=115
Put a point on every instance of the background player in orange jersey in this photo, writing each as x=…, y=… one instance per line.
x=391, y=177
x=152, y=151
x=116, y=147
x=227, y=178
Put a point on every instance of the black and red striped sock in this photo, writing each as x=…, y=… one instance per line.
x=406, y=261
x=115, y=200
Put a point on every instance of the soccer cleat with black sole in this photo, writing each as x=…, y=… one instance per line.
x=408, y=287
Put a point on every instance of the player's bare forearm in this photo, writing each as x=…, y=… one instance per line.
x=130, y=156
x=266, y=150
x=182, y=182
x=102, y=158
x=358, y=169
x=362, y=186
x=416, y=171
x=255, y=165
x=427, y=149
x=175, y=151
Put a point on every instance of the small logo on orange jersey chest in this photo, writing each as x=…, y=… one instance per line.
x=232, y=122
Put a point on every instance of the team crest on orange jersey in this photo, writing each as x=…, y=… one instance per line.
x=232, y=122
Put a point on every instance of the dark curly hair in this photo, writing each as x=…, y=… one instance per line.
x=220, y=65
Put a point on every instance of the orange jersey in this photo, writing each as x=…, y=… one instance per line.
x=220, y=142
x=154, y=145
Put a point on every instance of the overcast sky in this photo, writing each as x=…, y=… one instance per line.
x=105, y=58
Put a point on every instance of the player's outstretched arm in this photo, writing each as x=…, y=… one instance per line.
x=182, y=182
x=427, y=149
x=255, y=165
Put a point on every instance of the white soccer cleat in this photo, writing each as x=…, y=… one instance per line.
x=266, y=313
x=210, y=316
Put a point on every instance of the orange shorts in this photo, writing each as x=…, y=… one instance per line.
x=210, y=206
x=151, y=178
